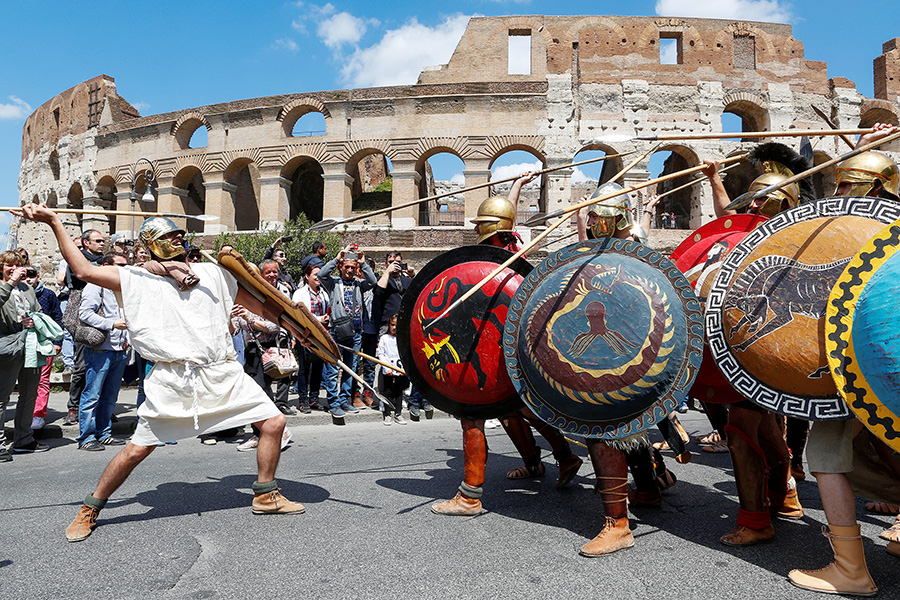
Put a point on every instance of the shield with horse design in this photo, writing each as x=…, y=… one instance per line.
x=765, y=313
x=456, y=362
x=699, y=257
x=603, y=338
x=862, y=338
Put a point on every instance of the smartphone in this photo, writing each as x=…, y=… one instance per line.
x=287, y=238
x=350, y=256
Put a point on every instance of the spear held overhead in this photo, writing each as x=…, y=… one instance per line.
x=748, y=197
x=615, y=137
x=541, y=219
x=326, y=224
x=569, y=210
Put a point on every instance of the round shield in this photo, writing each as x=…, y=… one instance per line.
x=455, y=361
x=863, y=341
x=699, y=257
x=765, y=313
x=603, y=338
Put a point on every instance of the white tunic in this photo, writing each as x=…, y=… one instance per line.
x=196, y=386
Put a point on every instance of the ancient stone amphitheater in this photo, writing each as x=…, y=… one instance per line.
x=587, y=77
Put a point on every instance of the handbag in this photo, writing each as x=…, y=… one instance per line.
x=343, y=328
x=81, y=332
x=277, y=362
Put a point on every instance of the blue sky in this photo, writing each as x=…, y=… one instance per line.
x=170, y=55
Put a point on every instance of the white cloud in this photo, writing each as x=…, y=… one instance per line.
x=507, y=171
x=578, y=176
x=17, y=109
x=141, y=106
x=313, y=12
x=343, y=28
x=286, y=44
x=401, y=53
x=744, y=10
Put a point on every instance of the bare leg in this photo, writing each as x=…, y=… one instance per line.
x=119, y=468
x=268, y=452
x=837, y=499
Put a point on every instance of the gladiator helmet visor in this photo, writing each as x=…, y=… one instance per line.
x=151, y=235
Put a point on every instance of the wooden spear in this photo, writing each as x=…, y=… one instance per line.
x=540, y=219
x=571, y=209
x=748, y=197
x=831, y=124
x=326, y=224
x=118, y=213
x=373, y=359
x=615, y=137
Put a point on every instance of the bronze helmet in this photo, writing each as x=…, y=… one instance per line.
x=862, y=171
x=612, y=214
x=776, y=199
x=151, y=232
x=495, y=215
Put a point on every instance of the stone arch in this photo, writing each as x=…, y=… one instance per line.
x=369, y=174
x=243, y=173
x=185, y=127
x=75, y=199
x=877, y=111
x=293, y=110
x=724, y=40
x=612, y=31
x=611, y=166
x=500, y=150
x=751, y=108
x=53, y=160
x=190, y=179
x=430, y=213
x=685, y=203
x=824, y=181
x=307, y=191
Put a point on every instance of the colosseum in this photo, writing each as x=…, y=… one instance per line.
x=587, y=77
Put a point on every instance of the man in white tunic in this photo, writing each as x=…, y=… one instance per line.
x=196, y=386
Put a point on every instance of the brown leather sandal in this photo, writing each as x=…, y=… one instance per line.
x=526, y=472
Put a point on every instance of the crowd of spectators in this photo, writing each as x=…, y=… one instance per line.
x=357, y=305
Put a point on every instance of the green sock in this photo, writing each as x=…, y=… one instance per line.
x=94, y=502
x=264, y=488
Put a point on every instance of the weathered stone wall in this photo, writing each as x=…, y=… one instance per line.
x=588, y=77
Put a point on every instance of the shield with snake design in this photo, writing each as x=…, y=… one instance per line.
x=456, y=362
x=604, y=338
x=862, y=338
x=765, y=313
x=699, y=257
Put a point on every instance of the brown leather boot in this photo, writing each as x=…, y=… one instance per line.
x=615, y=535
x=458, y=506
x=848, y=573
x=83, y=525
x=790, y=508
x=273, y=503
x=754, y=524
x=357, y=401
x=612, y=480
x=647, y=492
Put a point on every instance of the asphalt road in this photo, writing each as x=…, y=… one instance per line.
x=181, y=526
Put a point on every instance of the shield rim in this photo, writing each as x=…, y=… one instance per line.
x=684, y=378
x=233, y=262
x=840, y=351
x=437, y=265
x=811, y=408
x=740, y=222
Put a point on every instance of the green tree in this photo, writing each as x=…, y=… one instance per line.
x=253, y=246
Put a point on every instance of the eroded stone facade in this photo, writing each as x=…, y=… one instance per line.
x=588, y=77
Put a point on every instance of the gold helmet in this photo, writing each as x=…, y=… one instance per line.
x=151, y=232
x=775, y=200
x=862, y=171
x=612, y=214
x=495, y=215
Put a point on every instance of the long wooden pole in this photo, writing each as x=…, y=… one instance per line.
x=571, y=209
x=327, y=224
x=831, y=124
x=120, y=213
x=730, y=135
x=747, y=197
x=373, y=359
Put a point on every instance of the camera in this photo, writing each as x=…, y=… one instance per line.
x=30, y=273
x=404, y=266
x=351, y=256
x=287, y=238
x=354, y=247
